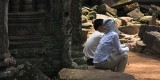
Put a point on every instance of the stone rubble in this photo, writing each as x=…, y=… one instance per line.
x=135, y=20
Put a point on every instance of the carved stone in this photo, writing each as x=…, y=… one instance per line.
x=45, y=34
x=7, y=61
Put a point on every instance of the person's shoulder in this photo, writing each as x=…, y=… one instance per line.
x=99, y=33
x=114, y=33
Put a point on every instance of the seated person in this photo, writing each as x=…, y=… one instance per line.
x=110, y=54
x=93, y=41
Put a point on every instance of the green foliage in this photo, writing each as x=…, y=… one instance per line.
x=143, y=21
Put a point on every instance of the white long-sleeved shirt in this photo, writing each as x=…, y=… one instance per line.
x=108, y=43
x=91, y=44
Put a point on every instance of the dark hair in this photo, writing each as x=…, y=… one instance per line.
x=97, y=23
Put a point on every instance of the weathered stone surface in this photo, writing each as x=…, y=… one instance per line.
x=145, y=19
x=85, y=11
x=130, y=29
x=147, y=28
x=125, y=20
x=44, y=33
x=152, y=40
x=6, y=59
x=87, y=25
x=30, y=72
x=153, y=20
x=136, y=13
x=102, y=9
x=140, y=46
x=76, y=74
x=131, y=7
x=113, y=3
x=84, y=19
x=154, y=9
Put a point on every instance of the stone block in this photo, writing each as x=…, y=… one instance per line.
x=140, y=46
x=136, y=13
x=76, y=74
x=102, y=9
x=147, y=28
x=152, y=40
x=131, y=7
x=30, y=72
x=130, y=29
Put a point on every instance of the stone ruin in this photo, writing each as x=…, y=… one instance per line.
x=45, y=33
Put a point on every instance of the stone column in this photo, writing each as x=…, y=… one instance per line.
x=6, y=60
x=71, y=28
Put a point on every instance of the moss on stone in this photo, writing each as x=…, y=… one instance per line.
x=92, y=15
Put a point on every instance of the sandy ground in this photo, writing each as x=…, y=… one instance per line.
x=143, y=67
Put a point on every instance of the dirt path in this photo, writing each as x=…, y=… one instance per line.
x=143, y=67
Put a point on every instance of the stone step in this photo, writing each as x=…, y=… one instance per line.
x=77, y=74
x=24, y=31
x=26, y=44
x=24, y=20
x=25, y=38
x=26, y=14
x=27, y=52
x=23, y=25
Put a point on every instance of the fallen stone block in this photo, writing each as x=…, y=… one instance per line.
x=152, y=40
x=136, y=13
x=117, y=3
x=130, y=29
x=102, y=9
x=130, y=7
x=29, y=72
x=77, y=74
x=147, y=28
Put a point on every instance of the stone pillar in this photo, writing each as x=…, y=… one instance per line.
x=72, y=29
x=6, y=60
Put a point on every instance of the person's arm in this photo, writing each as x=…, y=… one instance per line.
x=119, y=48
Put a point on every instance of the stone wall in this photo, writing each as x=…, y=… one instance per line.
x=47, y=34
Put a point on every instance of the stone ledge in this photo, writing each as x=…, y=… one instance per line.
x=77, y=74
